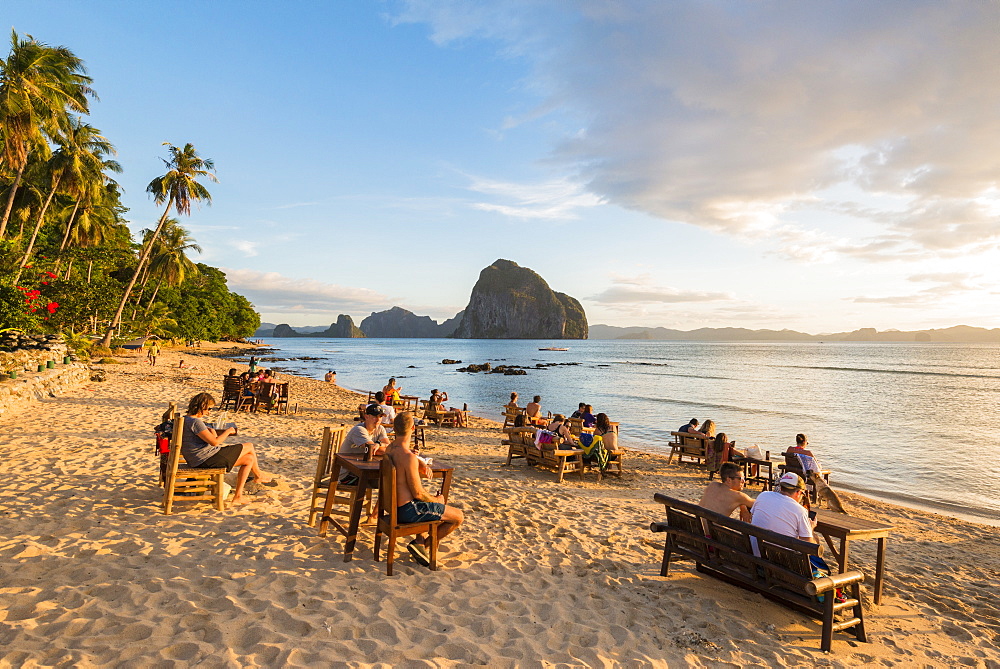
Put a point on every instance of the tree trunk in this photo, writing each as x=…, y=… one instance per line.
x=90, y=266
x=69, y=226
x=153, y=298
x=38, y=226
x=69, y=270
x=106, y=341
x=10, y=199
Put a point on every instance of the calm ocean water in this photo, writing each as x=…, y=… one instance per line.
x=915, y=423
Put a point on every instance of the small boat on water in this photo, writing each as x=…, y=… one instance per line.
x=552, y=348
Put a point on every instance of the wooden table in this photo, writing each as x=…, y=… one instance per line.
x=367, y=473
x=765, y=481
x=848, y=528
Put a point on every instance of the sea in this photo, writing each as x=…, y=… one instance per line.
x=913, y=423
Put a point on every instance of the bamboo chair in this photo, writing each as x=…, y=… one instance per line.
x=433, y=413
x=389, y=524
x=330, y=444
x=509, y=414
x=516, y=448
x=190, y=484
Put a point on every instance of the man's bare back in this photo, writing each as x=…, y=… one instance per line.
x=720, y=498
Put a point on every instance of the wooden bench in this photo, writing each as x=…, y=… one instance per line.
x=721, y=547
x=515, y=442
x=520, y=442
x=691, y=446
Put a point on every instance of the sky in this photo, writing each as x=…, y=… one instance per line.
x=819, y=166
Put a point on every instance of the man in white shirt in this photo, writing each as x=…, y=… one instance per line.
x=781, y=511
x=370, y=434
x=388, y=413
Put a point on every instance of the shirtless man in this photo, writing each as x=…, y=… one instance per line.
x=726, y=495
x=534, y=407
x=416, y=505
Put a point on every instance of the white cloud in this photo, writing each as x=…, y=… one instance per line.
x=558, y=199
x=735, y=116
x=273, y=293
x=641, y=290
x=246, y=246
x=944, y=284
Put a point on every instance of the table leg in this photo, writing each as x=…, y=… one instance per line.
x=879, y=565
x=357, y=504
x=331, y=494
x=844, y=547
x=446, y=485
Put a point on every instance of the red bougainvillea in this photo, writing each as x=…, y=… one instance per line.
x=33, y=296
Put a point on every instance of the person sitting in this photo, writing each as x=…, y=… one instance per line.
x=202, y=448
x=534, y=409
x=781, y=510
x=513, y=403
x=388, y=413
x=588, y=416
x=559, y=427
x=438, y=399
x=414, y=504
x=520, y=420
x=579, y=412
x=806, y=460
x=691, y=426
x=392, y=393
x=811, y=471
x=330, y=377
x=597, y=447
x=232, y=371
x=367, y=436
x=720, y=451
x=707, y=429
x=726, y=495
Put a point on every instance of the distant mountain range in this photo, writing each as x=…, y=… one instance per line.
x=958, y=334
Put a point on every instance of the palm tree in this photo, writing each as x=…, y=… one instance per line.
x=80, y=155
x=169, y=262
x=177, y=188
x=39, y=86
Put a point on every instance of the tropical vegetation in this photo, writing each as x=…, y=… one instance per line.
x=68, y=261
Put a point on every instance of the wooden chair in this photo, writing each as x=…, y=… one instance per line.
x=688, y=446
x=265, y=395
x=794, y=464
x=190, y=484
x=281, y=399
x=509, y=414
x=433, y=413
x=516, y=448
x=232, y=393
x=388, y=522
x=575, y=426
x=329, y=445
x=564, y=460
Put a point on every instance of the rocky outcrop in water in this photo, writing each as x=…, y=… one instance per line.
x=513, y=302
x=398, y=322
x=284, y=330
x=343, y=328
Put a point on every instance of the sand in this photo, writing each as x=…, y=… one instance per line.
x=542, y=574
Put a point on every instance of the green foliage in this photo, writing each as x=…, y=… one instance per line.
x=14, y=313
x=204, y=308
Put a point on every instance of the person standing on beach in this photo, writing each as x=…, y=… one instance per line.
x=154, y=351
x=414, y=503
x=726, y=495
x=253, y=364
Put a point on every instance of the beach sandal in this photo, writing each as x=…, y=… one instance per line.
x=273, y=483
x=419, y=553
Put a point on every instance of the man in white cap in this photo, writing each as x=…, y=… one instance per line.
x=781, y=510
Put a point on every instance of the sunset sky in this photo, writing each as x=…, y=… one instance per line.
x=820, y=166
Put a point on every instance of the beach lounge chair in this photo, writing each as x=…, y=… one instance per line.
x=189, y=484
x=329, y=445
x=389, y=524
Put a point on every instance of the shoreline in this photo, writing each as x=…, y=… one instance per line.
x=567, y=574
x=912, y=503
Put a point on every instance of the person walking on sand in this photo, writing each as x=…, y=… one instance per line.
x=416, y=505
x=154, y=351
x=202, y=448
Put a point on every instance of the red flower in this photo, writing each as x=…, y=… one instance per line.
x=52, y=306
x=45, y=283
x=51, y=275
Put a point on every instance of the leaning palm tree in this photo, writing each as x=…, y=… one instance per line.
x=178, y=188
x=39, y=86
x=80, y=155
x=169, y=263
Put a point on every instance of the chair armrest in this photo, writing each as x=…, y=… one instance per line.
x=659, y=526
x=827, y=583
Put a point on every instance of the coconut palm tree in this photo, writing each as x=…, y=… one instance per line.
x=39, y=86
x=178, y=188
x=81, y=155
x=169, y=262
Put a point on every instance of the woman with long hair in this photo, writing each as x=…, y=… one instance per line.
x=203, y=448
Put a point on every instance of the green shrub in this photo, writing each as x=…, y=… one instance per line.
x=109, y=361
x=99, y=350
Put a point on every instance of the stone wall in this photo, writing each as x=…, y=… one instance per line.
x=23, y=354
x=28, y=389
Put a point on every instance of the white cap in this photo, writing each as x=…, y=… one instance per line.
x=792, y=481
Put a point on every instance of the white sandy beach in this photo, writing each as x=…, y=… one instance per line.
x=541, y=574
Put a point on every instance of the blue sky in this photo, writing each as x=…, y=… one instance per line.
x=816, y=166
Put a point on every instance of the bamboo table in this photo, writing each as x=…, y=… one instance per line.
x=848, y=528
x=367, y=473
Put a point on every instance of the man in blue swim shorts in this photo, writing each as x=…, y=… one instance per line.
x=416, y=505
